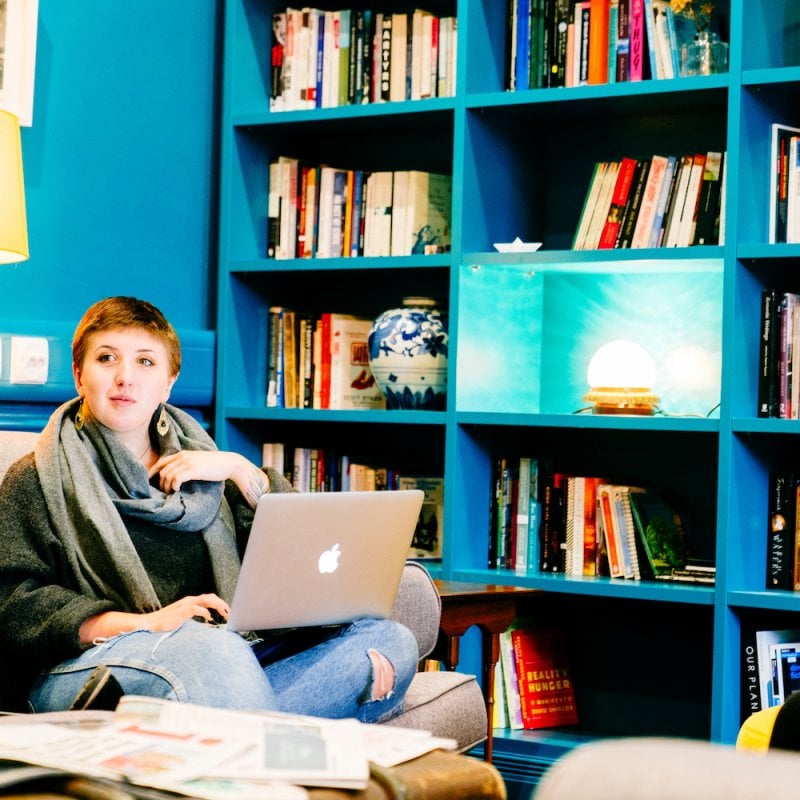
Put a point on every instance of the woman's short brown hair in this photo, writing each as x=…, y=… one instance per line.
x=118, y=313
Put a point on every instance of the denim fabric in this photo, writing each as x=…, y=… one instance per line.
x=212, y=666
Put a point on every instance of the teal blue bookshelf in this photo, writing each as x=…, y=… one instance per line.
x=523, y=327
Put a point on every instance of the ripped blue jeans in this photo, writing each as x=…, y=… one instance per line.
x=212, y=666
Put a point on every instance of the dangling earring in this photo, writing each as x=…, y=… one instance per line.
x=80, y=417
x=162, y=424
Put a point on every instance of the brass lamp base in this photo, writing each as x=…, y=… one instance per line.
x=638, y=401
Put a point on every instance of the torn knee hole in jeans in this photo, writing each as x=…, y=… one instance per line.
x=382, y=676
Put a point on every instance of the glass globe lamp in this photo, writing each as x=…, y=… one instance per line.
x=621, y=376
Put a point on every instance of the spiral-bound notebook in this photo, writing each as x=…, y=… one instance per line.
x=324, y=558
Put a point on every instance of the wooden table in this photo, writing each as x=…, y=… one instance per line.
x=492, y=608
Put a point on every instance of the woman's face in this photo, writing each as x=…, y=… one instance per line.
x=123, y=378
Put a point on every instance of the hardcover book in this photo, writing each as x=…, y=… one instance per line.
x=660, y=530
x=544, y=677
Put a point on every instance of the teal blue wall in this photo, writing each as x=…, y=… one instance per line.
x=120, y=164
x=120, y=181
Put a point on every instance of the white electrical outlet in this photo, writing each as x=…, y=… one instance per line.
x=29, y=359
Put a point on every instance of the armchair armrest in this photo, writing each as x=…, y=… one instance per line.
x=418, y=606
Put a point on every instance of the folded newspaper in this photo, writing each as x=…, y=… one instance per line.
x=207, y=752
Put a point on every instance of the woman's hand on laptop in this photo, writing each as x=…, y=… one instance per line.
x=210, y=465
x=204, y=607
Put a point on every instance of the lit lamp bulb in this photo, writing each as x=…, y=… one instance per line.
x=621, y=376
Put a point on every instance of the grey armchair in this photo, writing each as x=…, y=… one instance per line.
x=448, y=704
x=669, y=769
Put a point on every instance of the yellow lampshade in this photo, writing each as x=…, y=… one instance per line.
x=13, y=227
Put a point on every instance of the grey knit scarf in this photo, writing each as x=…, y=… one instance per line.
x=92, y=482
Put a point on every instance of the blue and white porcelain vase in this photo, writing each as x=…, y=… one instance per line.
x=408, y=354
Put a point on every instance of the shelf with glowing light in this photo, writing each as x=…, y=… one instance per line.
x=528, y=329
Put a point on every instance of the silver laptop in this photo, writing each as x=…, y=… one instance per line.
x=323, y=558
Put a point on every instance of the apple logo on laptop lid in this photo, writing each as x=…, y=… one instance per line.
x=329, y=560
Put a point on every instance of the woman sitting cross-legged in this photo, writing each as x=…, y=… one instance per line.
x=121, y=539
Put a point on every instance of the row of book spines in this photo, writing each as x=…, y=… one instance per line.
x=779, y=355
x=533, y=680
x=783, y=531
x=319, y=361
x=320, y=469
x=325, y=59
x=515, y=514
x=661, y=201
x=550, y=522
x=565, y=43
x=528, y=520
x=318, y=211
x=553, y=43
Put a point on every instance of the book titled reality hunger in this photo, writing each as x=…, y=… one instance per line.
x=546, y=689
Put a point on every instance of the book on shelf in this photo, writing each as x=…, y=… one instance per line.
x=779, y=355
x=689, y=211
x=598, y=41
x=619, y=200
x=677, y=209
x=637, y=40
x=661, y=534
x=420, y=213
x=782, y=488
x=544, y=677
x=527, y=547
x=590, y=206
x=616, y=48
x=793, y=192
x=352, y=384
x=780, y=144
x=651, y=194
x=778, y=665
x=510, y=681
x=427, y=540
x=500, y=704
x=580, y=525
x=706, y=228
x=634, y=204
x=750, y=695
